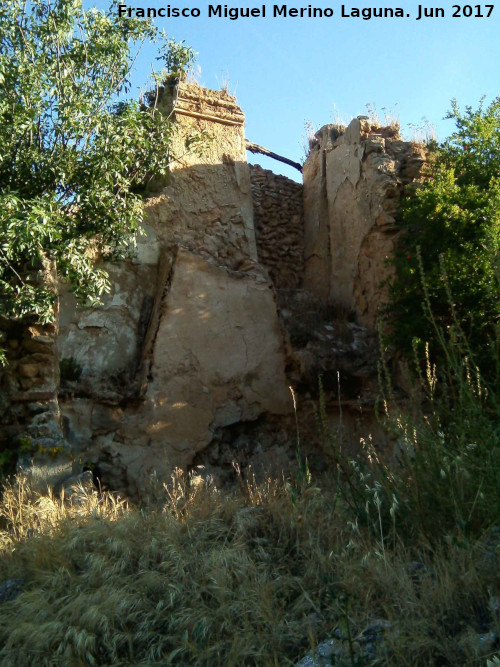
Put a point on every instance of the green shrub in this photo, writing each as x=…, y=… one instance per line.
x=442, y=480
x=454, y=218
x=72, y=149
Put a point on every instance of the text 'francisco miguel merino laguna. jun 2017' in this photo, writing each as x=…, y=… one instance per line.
x=286, y=11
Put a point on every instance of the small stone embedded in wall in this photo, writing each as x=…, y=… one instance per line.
x=279, y=226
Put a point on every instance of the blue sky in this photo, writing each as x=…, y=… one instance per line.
x=286, y=71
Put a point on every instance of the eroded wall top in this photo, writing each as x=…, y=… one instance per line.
x=353, y=182
x=206, y=206
x=200, y=108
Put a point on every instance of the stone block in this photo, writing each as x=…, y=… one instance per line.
x=27, y=370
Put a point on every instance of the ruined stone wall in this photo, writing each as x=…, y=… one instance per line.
x=188, y=341
x=188, y=346
x=206, y=207
x=29, y=388
x=279, y=226
x=353, y=182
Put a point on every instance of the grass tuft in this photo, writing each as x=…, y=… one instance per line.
x=256, y=577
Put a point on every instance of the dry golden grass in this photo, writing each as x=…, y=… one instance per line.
x=257, y=577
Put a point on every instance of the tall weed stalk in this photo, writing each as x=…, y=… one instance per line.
x=444, y=476
x=449, y=473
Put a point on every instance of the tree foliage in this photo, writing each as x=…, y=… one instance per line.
x=452, y=240
x=72, y=147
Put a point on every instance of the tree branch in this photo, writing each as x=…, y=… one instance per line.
x=255, y=148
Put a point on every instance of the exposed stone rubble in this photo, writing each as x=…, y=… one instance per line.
x=324, y=342
x=353, y=182
x=279, y=226
x=368, y=648
x=29, y=388
x=327, y=349
x=247, y=451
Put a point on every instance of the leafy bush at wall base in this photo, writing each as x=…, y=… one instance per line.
x=452, y=242
x=72, y=148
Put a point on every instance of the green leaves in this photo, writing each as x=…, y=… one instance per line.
x=72, y=148
x=454, y=219
x=177, y=57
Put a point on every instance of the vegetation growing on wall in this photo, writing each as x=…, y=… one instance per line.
x=453, y=240
x=71, y=146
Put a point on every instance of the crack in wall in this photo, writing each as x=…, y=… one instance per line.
x=166, y=269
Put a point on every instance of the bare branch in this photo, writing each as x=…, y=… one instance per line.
x=255, y=148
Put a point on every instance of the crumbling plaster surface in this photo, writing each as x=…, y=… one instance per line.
x=103, y=342
x=207, y=206
x=353, y=182
x=217, y=360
